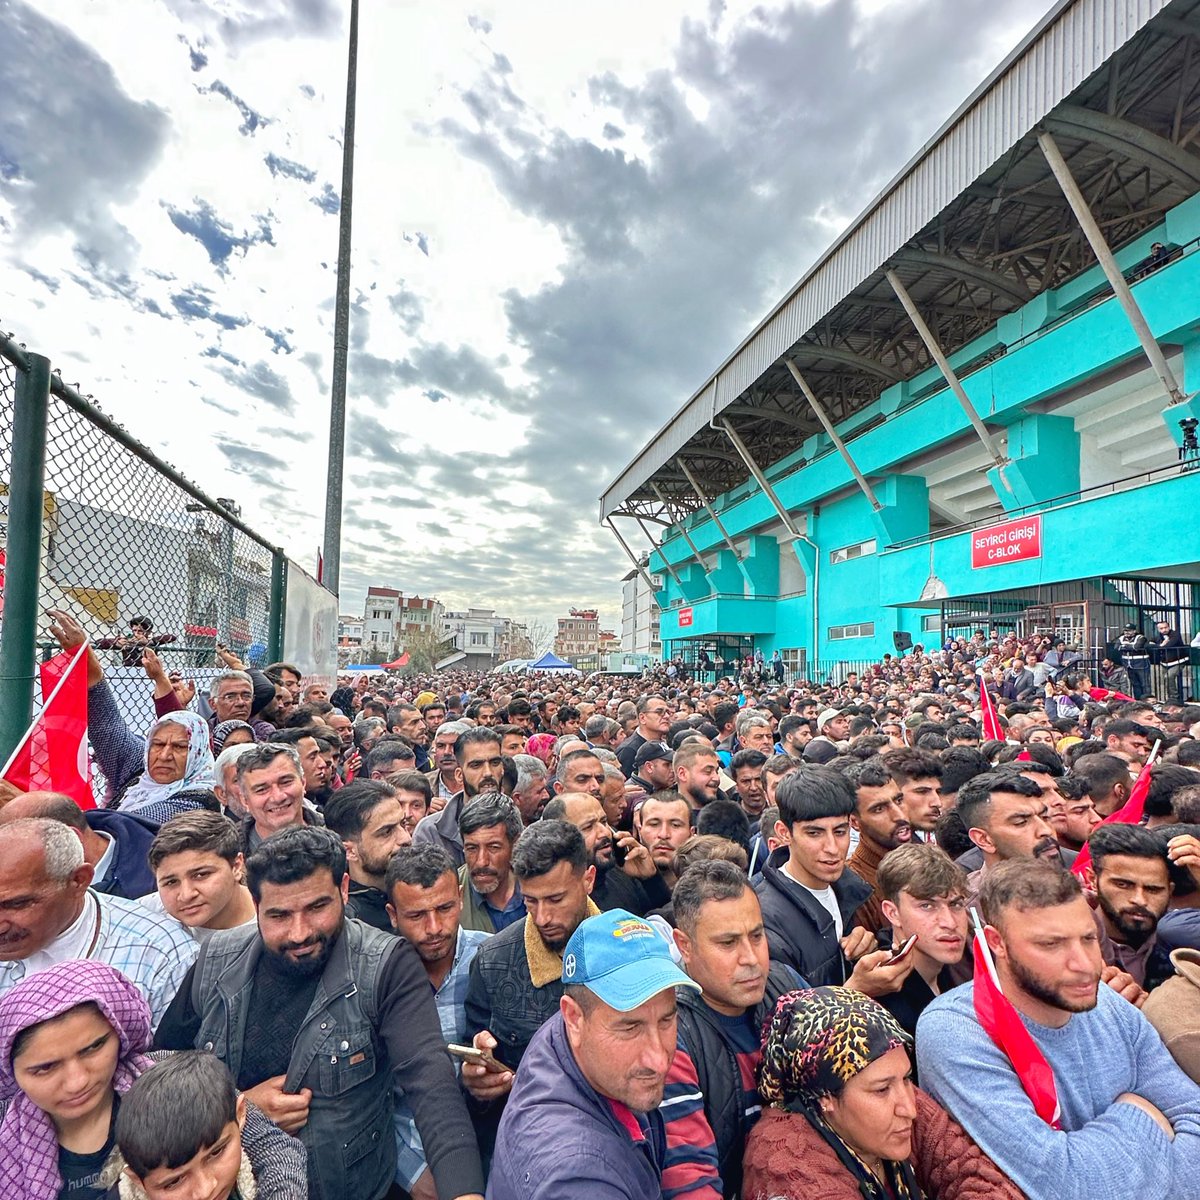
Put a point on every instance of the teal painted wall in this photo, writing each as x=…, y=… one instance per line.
x=1046, y=353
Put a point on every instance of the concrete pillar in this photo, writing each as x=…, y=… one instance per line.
x=1043, y=464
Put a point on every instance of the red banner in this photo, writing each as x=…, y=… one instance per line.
x=1014, y=541
x=685, y=617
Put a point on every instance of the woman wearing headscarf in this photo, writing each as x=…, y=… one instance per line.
x=841, y=1118
x=232, y=733
x=178, y=759
x=73, y=1038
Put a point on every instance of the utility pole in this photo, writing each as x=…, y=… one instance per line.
x=341, y=329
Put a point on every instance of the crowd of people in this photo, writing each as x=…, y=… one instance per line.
x=539, y=936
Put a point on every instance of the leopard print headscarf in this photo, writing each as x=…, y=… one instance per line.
x=818, y=1039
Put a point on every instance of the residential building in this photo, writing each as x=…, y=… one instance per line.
x=578, y=635
x=482, y=639
x=389, y=617
x=954, y=422
x=640, y=614
x=349, y=639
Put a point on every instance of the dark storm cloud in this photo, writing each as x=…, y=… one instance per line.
x=676, y=250
x=74, y=143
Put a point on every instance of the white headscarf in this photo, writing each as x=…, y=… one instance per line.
x=198, y=773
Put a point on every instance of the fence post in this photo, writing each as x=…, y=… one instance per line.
x=23, y=554
x=278, y=605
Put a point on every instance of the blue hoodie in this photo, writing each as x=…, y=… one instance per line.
x=129, y=873
x=561, y=1139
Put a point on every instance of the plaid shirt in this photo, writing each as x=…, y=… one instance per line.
x=152, y=950
x=451, y=1000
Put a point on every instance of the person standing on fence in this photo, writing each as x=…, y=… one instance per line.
x=132, y=644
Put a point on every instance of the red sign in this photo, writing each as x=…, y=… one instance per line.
x=1013, y=541
x=685, y=617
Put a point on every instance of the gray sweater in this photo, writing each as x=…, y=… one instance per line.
x=1106, y=1151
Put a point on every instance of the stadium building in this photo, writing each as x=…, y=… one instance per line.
x=978, y=409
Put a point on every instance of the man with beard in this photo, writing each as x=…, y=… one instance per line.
x=663, y=823
x=491, y=896
x=477, y=752
x=584, y=1118
x=747, y=771
x=882, y=826
x=369, y=818
x=425, y=907
x=1006, y=816
x=1133, y=888
x=516, y=978
x=626, y=876
x=697, y=773
x=319, y=1018
x=1129, y=1116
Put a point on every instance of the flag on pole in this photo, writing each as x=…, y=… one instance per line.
x=993, y=731
x=1003, y=1024
x=53, y=754
x=320, y=566
x=1130, y=813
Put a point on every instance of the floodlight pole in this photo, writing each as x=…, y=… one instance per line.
x=332, y=548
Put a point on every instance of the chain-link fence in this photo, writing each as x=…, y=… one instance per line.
x=121, y=543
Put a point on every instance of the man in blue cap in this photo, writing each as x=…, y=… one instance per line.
x=582, y=1119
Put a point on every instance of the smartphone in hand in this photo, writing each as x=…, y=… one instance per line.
x=470, y=1054
x=902, y=953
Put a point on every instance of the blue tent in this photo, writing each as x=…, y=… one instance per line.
x=550, y=662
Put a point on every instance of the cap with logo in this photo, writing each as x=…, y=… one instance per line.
x=650, y=752
x=826, y=717
x=622, y=960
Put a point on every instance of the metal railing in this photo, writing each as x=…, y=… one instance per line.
x=97, y=526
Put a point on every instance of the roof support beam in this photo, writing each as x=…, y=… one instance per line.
x=847, y=358
x=657, y=549
x=994, y=281
x=1087, y=222
x=948, y=373
x=633, y=558
x=682, y=531
x=712, y=512
x=1134, y=142
x=815, y=405
x=762, y=480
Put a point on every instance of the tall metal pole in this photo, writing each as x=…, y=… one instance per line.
x=341, y=330
x=23, y=552
x=1108, y=264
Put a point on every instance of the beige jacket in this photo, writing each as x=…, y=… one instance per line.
x=1173, y=1008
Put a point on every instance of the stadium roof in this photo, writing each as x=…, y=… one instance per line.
x=975, y=226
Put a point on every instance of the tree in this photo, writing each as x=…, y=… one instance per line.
x=426, y=647
x=540, y=635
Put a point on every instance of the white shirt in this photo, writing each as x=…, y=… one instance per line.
x=823, y=896
x=104, y=863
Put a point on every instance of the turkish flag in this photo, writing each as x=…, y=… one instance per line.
x=1130, y=813
x=53, y=754
x=1003, y=1024
x=993, y=731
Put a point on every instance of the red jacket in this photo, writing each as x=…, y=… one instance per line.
x=786, y=1159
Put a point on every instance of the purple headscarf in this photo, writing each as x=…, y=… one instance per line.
x=28, y=1141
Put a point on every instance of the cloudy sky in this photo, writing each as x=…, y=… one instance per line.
x=567, y=212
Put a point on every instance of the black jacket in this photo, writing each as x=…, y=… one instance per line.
x=718, y=1072
x=369, y=905
x=799, y=930
x=615, y=889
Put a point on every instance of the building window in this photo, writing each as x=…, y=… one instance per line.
x=479, y=639
x=839, y=633
x=846, y=553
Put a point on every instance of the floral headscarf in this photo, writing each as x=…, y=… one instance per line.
x=816, y=1041
x=28, y=1141
x=198, y=774
x=541, y=745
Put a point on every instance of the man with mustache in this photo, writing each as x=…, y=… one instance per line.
x=1006, y=816
x=477, y=752
x=882, y=825
x=1129, y=1117
x=491, y=896
x=319, y=1019
x=1133, y=888
x=663, y=822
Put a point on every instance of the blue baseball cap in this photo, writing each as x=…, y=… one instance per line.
x=622, y=959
